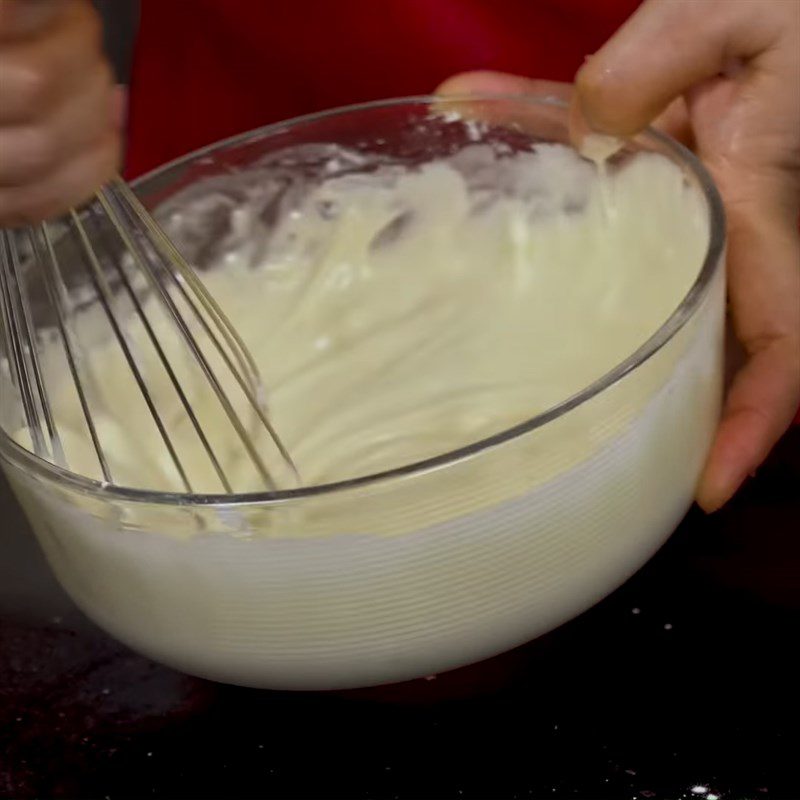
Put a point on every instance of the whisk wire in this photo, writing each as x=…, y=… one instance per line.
x=15, y=353
x=200, y=358
x=171, y=260
x=54, y=286
x=188, y=276
x=116, y=240
x=140, y=258
x=24, y=348
x=105, y=297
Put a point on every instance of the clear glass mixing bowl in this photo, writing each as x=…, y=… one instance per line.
x=427, y=567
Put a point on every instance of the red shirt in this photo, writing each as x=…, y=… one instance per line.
x=207, y=69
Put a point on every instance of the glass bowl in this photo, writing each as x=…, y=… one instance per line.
x=429, y=566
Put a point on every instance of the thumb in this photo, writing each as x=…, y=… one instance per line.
x=666, y=47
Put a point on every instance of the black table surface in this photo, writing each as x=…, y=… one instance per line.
x=681, y=684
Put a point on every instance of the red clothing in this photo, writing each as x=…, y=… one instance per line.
x=207, y=69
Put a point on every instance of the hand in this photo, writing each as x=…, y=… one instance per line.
x=60, y=112
x=727, y=74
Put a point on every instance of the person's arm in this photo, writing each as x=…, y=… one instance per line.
x=60, y=110
x=729, y=72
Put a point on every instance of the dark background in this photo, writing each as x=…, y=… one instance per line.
x=685, y=677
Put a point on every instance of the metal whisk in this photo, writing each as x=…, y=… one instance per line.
x=140, y=248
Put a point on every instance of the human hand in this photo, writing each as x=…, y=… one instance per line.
x=727, y=76
x=60, y=113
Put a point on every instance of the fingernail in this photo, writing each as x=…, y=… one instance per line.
x=717, y=489
x=597, y=147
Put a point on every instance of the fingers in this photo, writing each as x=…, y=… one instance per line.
x=674, y=121
x=60, y=117
x=39, y=74
x=72, y=184
x=760, y=407
x=505, y=102
x=30, y=151
x=485, y=82
x=23, y=18
x=764, y=287
x=666, y=47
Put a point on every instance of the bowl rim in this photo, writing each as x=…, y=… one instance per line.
x=18, y=456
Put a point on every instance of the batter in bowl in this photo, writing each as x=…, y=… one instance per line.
x=396, y=314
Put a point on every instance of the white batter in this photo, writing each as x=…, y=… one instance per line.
x=398, y=315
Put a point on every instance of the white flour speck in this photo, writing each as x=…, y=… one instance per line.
x=450, y=116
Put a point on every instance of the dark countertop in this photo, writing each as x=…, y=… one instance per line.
x=686, y=677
